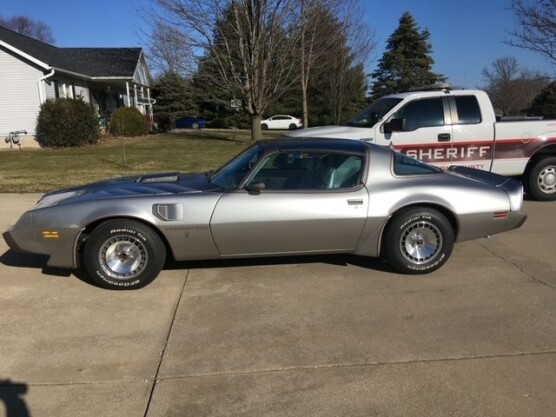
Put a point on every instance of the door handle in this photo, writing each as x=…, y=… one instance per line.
x=355, y=202
x=443, y=137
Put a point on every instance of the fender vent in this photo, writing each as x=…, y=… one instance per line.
x=168, y=212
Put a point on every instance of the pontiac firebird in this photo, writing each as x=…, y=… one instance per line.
x=278, y=197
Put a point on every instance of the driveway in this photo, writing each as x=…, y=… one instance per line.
x=325, y=336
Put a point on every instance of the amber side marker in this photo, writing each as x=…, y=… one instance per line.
x=47, y=234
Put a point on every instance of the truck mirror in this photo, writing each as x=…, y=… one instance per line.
x=394, y=125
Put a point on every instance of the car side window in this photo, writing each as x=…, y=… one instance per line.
x=468, y=108
x=405, y=165
x=422, y=113
x=309, y=171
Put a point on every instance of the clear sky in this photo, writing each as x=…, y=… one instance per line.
x=466, y=35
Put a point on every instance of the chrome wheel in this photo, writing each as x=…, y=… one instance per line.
x=421, y=242
x=547, y=179
x=123, y=257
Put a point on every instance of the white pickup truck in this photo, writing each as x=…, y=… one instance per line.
x=457, y=127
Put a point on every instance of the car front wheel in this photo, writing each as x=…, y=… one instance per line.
x=195, y=125
x=418, y=240
x=264, y=126
x=123, y=255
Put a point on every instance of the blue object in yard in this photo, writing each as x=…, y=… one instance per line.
x=190, y=123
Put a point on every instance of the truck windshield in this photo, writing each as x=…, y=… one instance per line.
x=373, y=113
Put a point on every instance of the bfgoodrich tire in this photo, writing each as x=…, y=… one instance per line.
x=123, y=255
x=540, y=181
x=418, y=241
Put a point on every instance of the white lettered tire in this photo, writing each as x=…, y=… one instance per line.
x=418, y=240
x=123, y=254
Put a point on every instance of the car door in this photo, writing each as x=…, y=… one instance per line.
x=473, y=140
x=311, y=203
x=427, y=131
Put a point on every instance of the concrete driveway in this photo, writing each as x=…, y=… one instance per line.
x=335, y=336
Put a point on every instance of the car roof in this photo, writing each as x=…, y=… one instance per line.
x=320, y=144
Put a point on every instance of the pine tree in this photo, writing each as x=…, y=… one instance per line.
x=407, y=61
x=545, y=103
x=173, y=100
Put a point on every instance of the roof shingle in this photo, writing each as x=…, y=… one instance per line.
x=92, y=62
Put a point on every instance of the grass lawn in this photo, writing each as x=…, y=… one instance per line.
x=41, y=170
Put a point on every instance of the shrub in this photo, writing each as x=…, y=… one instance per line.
x=66, y=123
x=128, y=121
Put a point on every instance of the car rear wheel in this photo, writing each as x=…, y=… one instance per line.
x=264, y=126
x=540, y=181
x=418, y=240
x=293, y=126
x=123, y=255
x=195, y=125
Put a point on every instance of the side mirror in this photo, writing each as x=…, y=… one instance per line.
x=394, y=125
x=255, y=188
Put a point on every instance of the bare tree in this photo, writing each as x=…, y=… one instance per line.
x=170, y=50
x=536, y=27
x=250, y=44
x=511, y=88
x=29, y=27
x=319, y=44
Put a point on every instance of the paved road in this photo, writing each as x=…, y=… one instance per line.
x=336, y=336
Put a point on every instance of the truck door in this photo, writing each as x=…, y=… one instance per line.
x=473, y=139
x=424, y=131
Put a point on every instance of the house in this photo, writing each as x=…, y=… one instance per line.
x=32, y=72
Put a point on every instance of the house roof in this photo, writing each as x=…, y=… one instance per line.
x=91, y=62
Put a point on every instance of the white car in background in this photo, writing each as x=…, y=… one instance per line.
x=281, y=122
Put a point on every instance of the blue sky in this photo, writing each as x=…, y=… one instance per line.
x=467, y=35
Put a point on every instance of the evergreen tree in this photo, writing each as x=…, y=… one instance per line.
x=407, y=61
x=173, y=100
x=545, y=103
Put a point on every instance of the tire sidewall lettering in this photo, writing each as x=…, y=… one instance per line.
x=131, y=232
x=415, y=219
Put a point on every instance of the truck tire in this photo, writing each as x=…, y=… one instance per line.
x=123, y=254
x=540, y=180
x=418, y=240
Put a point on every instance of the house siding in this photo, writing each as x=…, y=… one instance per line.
x=81, y=88
x=19, y=94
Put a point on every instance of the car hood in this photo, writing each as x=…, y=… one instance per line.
x=337, y=132
x=141, y=185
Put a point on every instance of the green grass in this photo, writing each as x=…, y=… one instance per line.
x=41, y=170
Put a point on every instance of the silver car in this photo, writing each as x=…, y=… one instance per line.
x=278, y=197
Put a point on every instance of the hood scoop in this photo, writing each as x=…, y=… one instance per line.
x=159, y=178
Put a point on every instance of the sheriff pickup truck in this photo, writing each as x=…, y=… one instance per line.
x=457, y=127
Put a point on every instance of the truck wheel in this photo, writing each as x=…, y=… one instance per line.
x=123, y=255
x=540, y=182
x=418, y=240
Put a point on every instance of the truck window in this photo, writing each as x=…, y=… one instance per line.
x=468, y=109
x=422, y=113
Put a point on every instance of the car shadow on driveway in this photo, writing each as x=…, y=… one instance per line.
x=337, y=260
x=24, y=260
x=27, y=260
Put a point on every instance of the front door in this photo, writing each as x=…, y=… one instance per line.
x=312, y=202
x=427, y=134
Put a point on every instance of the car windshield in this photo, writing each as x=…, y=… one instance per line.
x=230, y=175
x=373, y=113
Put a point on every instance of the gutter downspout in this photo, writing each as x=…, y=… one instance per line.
x=42, y=99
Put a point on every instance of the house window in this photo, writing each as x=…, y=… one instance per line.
x=56, y=89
